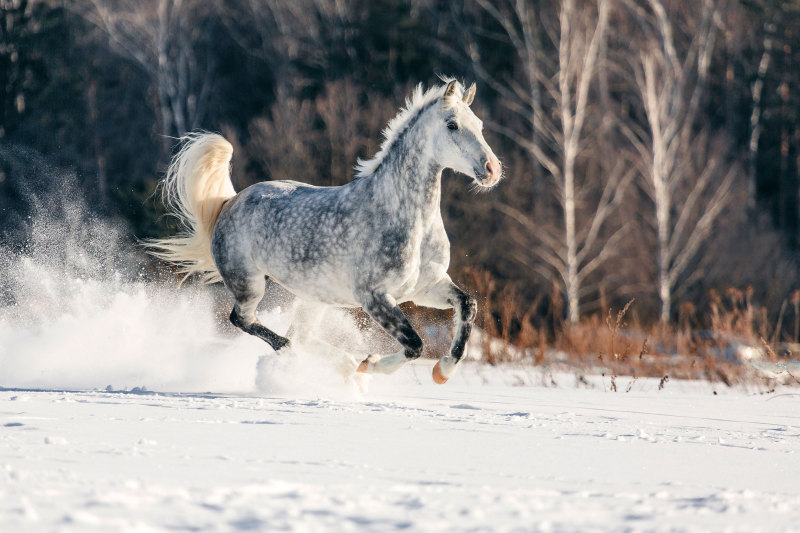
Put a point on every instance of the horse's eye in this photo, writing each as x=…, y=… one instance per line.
x=452, y=125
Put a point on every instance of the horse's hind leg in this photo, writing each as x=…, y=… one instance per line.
x=248, y=291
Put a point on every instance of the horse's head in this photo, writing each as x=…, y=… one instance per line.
x=458, y=141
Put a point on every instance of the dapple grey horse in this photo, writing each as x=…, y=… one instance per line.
x=371, y=243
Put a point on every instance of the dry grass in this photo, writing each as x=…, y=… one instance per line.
x=714, y=345
x=716, y=355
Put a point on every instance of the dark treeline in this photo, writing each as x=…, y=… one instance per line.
x=652, y=147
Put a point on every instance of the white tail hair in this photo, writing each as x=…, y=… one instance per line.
x=194, y=190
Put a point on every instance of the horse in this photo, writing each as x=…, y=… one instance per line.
x=372, y=243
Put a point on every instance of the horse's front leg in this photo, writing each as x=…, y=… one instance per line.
x=446, y=295
x=384, y=310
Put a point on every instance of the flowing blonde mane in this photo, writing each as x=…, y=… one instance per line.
x=418, y=102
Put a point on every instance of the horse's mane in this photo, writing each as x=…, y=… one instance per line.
x=415, y=105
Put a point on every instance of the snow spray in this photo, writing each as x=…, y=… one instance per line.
x=81, y=309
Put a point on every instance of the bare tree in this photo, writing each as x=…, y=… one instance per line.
x=320, y=139
x=283, y=142
x=296, y=38
x=558, y=139
x=281, y=33
x=757, y=88
x=353, y=123
x=686, y=174
x=165, y=39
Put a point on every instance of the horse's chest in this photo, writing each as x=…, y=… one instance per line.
x=419, y=258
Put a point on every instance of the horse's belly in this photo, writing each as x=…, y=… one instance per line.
x=324, y=285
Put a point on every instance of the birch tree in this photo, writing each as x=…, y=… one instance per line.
x=756, y=123
x=554, y=103
x=283, y=34
x=165, y=39
x=686, y=174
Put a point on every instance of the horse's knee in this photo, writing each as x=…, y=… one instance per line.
x=472, y=305
x=469, y=307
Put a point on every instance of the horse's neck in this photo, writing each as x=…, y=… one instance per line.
x=410, y=179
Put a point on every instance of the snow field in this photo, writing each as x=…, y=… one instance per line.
x=286, y=444
x=476, y=454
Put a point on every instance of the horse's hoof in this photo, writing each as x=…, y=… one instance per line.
x=438, y=377
x=367, y=366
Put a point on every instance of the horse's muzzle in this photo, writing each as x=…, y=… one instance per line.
x=491, y=173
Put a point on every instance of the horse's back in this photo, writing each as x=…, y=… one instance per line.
x=269, y=191
x=265, y=201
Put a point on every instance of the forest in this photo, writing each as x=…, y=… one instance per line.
x=651, y=147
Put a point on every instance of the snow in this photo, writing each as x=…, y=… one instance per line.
x=492, y=450
x=107, y=423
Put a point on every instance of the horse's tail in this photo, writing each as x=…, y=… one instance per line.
x=195, y=188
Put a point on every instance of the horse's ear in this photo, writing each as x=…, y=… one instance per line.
x=469, y=94
x=450, y=91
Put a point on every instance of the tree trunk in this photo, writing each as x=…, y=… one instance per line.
x=572, y=281
x=665, y=295
x=755, y=120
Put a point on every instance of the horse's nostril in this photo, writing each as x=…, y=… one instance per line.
x=491, y=169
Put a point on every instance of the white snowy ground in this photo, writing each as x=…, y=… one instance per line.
x=492, y=450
